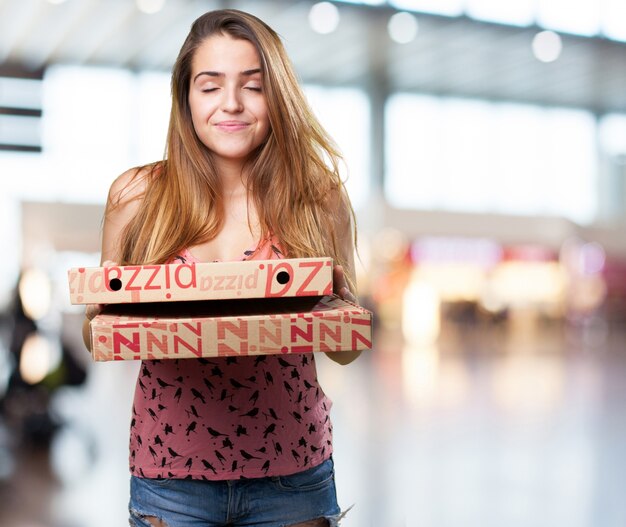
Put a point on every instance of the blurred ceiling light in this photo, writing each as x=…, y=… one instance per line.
x=150, y=6
x=437, y=7
x=35, y=293
x=514, y=12
x=547, y=46
x=56, y=2
x=35, y=359
x=614, y=19
x=402, y=27
x=324, y=17
x=579, y=17
x=363, y=2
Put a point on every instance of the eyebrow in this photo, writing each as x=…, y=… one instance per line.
x=245, y=73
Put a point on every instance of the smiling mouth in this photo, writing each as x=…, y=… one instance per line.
x=231, y=126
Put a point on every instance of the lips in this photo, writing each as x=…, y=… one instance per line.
x=231, y=126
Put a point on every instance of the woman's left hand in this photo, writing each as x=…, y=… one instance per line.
x=340, y=285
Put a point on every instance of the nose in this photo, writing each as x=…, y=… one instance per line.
x=231, y=101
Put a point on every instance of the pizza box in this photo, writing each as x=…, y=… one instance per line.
x=222, y=328
x=291, y=277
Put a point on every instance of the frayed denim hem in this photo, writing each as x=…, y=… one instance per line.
x=334, y=521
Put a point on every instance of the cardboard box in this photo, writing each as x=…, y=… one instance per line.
x=201, y=281
x=229, y=328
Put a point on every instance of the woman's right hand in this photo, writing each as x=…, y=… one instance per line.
x=91, y=310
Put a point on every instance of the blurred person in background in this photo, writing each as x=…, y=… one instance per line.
x=26, y=403
x=245, y=440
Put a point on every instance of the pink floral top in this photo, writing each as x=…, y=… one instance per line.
x=229, y=417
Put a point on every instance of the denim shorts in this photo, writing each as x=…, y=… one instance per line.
x=277, y=501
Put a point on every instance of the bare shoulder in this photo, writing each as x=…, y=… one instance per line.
x=124, y=201
x=130, y=186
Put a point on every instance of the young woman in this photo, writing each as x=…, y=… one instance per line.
x=246, y=440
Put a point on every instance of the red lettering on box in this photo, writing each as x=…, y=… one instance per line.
x=181, y=342
x=272, y=271
x=152, y=341
x=191, y=278
x=120, y=340
x=155, y=269
x=315, y=268
x=356, y=338
x=306, y=334
x=72, y=277
x=265, y=333
x=326, y=348
x=231, y=280
x=238, y=328
x=224, y=350
x=301, y=349
x=108, y=271
x=129, y=285
x=195, y=328
x=326, y=330
x=95, y=283
x=118, y=324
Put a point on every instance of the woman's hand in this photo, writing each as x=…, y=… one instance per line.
x=91, y=310
x=340, y=285
x=340, y=288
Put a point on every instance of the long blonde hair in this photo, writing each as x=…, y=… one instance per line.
x=294, y=179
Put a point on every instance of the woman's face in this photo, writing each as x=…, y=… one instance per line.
x=227, y=101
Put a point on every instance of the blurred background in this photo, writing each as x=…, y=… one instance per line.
x=485, y=148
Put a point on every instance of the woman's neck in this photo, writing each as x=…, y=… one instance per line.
x=232, y=175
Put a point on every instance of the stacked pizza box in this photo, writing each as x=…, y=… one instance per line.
x=191, y=310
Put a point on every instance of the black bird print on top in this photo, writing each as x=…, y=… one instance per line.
x=229, y=418
x=279, y=428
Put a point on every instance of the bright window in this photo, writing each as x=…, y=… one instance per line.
x=344, y=113
x=614, y=19
x=581, y=17
x=514, y=12
x=438, y=7
x=474, y=156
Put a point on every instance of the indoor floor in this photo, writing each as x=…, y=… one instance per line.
x=514, y=424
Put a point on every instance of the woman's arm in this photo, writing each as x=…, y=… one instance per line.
x=345, y=239
x=122, y=204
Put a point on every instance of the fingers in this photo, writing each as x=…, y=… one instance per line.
x=340, y=285
x=339, y=279
x=345, y=294
x=108, y=263
x=91, y=310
